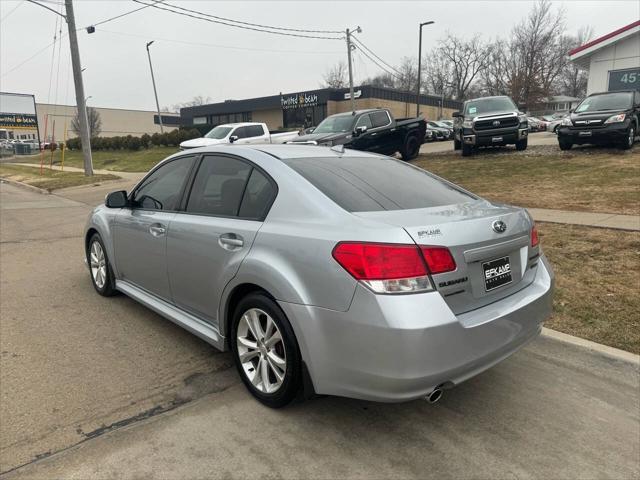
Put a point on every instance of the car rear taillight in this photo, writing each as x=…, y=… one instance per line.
x=393, y=268
x=384, y=267
x=534, y=237
x=439, y=259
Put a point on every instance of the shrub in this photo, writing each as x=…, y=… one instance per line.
x=145, y=140
x=134, y=143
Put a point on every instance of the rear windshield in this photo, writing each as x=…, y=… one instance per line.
x=361, y=184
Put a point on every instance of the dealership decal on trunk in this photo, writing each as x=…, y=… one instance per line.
x=496, y=273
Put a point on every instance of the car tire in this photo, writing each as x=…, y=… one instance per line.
x=456, y=144
x=564, y=145
x=102, y=276
x=283, y=363
x=411, y=148
x=467, y=150
x=631, y=135
x=522, y=144
x=555, y=129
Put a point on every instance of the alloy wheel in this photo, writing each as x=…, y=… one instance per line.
x=261, y=350
x=98, y=264
x=632, y=135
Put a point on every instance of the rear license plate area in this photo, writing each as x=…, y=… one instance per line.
x=497, y=273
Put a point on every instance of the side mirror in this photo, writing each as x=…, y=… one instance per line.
x=359, y=130
x=311, y=129
x=117, y=199
x=456, y=115
x=233, y=138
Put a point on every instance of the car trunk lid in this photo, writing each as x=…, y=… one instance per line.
x=490, y=264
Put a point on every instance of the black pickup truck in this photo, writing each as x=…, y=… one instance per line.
x=373, y=130
x=489, y=121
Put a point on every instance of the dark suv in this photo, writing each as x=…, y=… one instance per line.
x=489, y=121
x=602, y=118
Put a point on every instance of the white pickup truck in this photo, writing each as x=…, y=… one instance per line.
x=241, y=133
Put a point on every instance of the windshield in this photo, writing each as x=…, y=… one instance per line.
x=609, y=101
x=337, y=124
x=218, y=133
x=486, y=105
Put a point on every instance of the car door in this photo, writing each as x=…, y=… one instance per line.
x=381, y=135
x=209, y=239
x=139, y=232
x=256, y=134
x=363, y=141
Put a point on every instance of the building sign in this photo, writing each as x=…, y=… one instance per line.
x=18, y=120
x=356, y=94
x=298, y=100
x=628, y=79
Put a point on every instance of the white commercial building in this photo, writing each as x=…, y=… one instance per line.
x=613, y=60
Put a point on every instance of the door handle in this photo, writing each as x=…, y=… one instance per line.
x=230, y=241
x=157, y=230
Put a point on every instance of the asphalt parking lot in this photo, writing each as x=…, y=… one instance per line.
x=104, y=388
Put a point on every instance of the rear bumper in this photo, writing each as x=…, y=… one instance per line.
x=393, y=348
x=612, y=133
x=485, y=139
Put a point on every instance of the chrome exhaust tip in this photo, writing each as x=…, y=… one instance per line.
x=434, y=396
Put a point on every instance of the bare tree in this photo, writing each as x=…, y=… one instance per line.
x=194, y=102
x=406, y=75
x=455, y=65
x=336, y=76
x=573, y=79
x=95, y=122
x=384, y=80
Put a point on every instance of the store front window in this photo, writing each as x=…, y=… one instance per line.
x=304, y=117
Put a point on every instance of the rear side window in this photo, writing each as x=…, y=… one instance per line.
x=258, y=196
x=360, y=184
x=218, y=186
x=380, y=119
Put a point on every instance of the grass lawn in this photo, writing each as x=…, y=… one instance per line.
x=597, y=283
x=116, y=160
x=50, y=179
x=585, y=179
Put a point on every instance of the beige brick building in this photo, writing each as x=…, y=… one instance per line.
x=304, y=109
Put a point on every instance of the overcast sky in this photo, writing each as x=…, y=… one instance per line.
x=193, y=57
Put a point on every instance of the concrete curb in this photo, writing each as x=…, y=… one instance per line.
x=596, y=347
x=15, y=183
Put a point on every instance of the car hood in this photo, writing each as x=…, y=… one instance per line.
x=594, y=116
x=201, y=142
x=322, y=137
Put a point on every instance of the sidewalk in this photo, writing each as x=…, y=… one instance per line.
x=589, y=219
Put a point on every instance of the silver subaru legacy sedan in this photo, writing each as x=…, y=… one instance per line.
x=325, y=271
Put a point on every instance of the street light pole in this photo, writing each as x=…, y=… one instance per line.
x=80, y=98
x=155, y=92
x=420, y=67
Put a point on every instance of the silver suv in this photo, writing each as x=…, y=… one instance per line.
x=327, y=271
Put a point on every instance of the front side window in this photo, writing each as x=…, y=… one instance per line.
x=255, y=131
x=380, y=119
x=218, y=186
x=364, y=121
x=240, y=132
x=163, y=188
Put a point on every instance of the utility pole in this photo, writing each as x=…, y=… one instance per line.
x=349, y=48
x=420, y=67
x=153, y=80
x=80, y=98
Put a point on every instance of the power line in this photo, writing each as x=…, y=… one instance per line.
x=124, y=14
x=254, y=24
x=213, y=45
x=48, y=8
x=234, y=25
x=12, y=10
x=4, y=74
x=376, y=56
x=380, y=66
